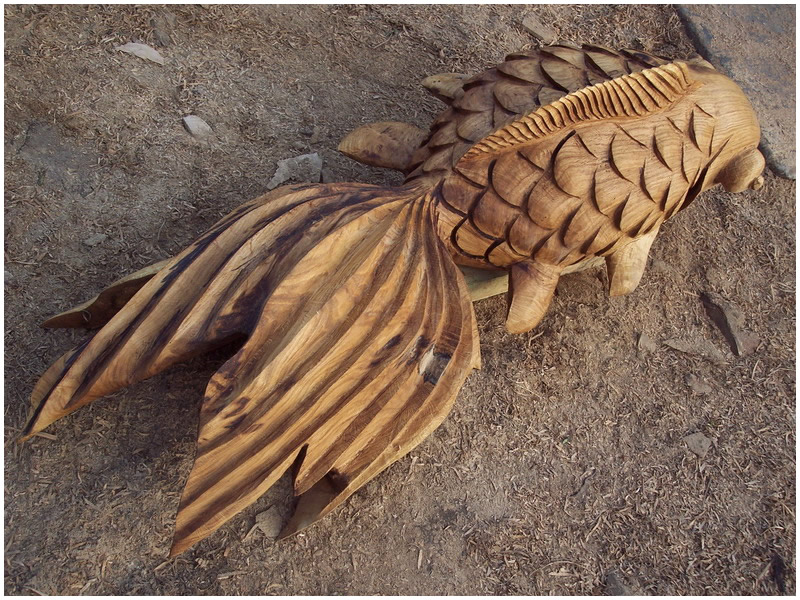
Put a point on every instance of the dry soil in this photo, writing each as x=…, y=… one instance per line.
x=564, y=467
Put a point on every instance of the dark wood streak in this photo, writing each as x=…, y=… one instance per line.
x=37, y=410
x=278, y=427
x=313, y=356
x=239, y=493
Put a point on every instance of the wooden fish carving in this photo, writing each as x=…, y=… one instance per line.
x=354, y=325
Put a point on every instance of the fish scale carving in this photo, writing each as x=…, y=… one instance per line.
x=594, y=173
x=576, y=194
x=521, y=83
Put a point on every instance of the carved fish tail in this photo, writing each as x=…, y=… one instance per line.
x=359, y=333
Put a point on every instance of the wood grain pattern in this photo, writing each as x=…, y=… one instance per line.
x=388, y=144
x=522, y=83
x=359, y=333
x=593, y=173
x=354, y=324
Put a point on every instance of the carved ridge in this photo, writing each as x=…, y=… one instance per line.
x=619, y=97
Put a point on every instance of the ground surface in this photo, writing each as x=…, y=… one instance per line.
x=563, y=467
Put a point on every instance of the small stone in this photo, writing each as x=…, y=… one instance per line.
x=698, y=444
x=327, y=176
x=539, y=30
x=306, y=167
x=95, y=239
x=197, y=127
x=269, y=522
x=646, y=343
x=161, y=28
x=698, y=385
x=162, y=37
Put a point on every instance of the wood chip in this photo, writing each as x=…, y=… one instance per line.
x=229, y=574
x=142, y=51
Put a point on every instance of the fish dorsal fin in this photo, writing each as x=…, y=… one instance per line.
x=635, y=95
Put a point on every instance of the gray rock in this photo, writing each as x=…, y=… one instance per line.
x=698, y=444
x=142, y=51
x=97, y=238
x=197, y=127
x=306, y=167
x=615, y=585
x=269, y=522
x=539, y=30
x=730, y=321
x=697, y=347
x=162, y=25
x=755, y=46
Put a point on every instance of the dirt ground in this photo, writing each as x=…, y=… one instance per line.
x=563, y=468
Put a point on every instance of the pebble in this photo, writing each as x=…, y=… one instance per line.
x=142, y=51
x=697, y=347
x=699, y=386
x=730, y=321
x=698, y=444
x=269, y=522
x=646, y=343
x=615, y=586
x=95, y=239
x=306, y=167
x=197, y=127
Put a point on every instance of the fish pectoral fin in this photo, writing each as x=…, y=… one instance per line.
x=531, y=289
x=626, y=265
x=387, y=144
x=445, y=86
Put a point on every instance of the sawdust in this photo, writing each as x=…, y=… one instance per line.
x=562, y=468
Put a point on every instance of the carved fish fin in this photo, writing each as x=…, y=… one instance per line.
x=358, y=328
x=630, y=95
x=388, y=144
x=445, y=86
x=357, y=356
x=626, y=265
x=531, y=289
x=99, y=310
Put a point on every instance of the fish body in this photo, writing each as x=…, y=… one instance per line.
x=596, y=169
